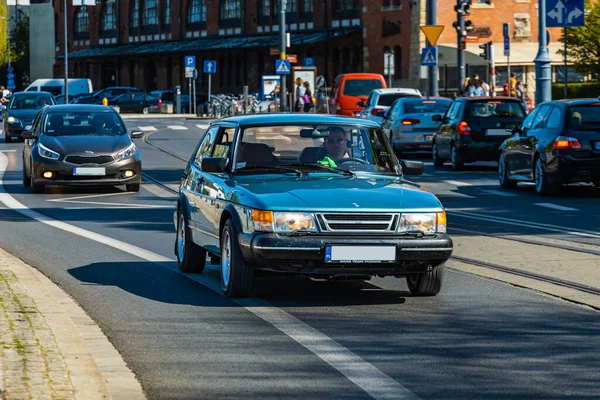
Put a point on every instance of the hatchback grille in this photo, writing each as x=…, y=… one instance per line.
x=358, y=222
x=97, y=160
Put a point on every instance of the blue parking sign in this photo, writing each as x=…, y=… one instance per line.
x=190, y=61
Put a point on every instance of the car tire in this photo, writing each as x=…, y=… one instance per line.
x=542, y=186
x=35, y=187
x=503, y=179
x=145, y=110
x=26, y=180
x=426, y=283
x=190, y=257
x=237, y=278
x=457, y=162
x=133, y=187
x=437, y=161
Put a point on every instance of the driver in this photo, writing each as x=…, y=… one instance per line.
x=336, y=145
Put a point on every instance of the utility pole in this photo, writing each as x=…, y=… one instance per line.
x=282, y=53
x=431, y=19
x=462, y=8
x=66, y=54
x=543, y=69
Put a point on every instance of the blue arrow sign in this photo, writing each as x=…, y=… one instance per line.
x=11, y=75
x=429, y=57
x=505, y=29
x=11, y=84
x=210, y=66
x=564, y=13
x=190, y=61
x=282, y=67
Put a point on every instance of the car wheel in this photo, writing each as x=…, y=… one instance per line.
x=35, y=187
x=26, y=180
x=145, y=110
x=190, y=256
x=132, y=187
x=542, y=186
x=505, y=182
x=437, y=161
x=457, y=162
x=427, y=283
x=237, y=278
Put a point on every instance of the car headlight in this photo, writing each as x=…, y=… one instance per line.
x=12, y=120
x=428, y=223
x=47, y=153
x=127, y=153
x=283, y=222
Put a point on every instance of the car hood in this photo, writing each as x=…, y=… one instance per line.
x=80, y=144
x=24, y=115
x=361, y=193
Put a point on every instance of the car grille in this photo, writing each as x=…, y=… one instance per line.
x=358, y=222
x=96, y=160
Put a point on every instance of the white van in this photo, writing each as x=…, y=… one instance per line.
x=57, y=86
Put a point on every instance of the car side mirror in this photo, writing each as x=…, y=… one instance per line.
x=360, y=104
x=445, y=120
x=214, y=164
x=412, y=168
x=27, y=135
x=437, y=118
x=136, y=134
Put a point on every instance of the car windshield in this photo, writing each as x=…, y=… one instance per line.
x=30, y=102
x=81, y=123
x=426, y=106
x=495, y=109
x=361, y=87
x=317, y=148
x=584, y=115
x=387, y=100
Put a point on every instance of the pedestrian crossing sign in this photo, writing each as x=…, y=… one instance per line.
x=282, y=67
x=429, y=57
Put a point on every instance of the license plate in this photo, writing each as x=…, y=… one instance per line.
x=89, y=171
x=27, y=127
x=497, y=132
x=360, y=254
x=597, y=145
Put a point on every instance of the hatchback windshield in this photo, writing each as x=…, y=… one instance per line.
x=584, y=115
x=495, y=109
x=315, y=148
x=426, y=106
x=30, y=102
x=361, y=87
x=80, y=123
x=388, y=99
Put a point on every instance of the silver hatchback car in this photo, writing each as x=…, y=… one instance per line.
x=410, y=122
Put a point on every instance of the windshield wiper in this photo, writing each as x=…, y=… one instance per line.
x=324, y=168
x=271, y=168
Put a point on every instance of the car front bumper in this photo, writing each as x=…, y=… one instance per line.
x=306, y=254
x=64, y=173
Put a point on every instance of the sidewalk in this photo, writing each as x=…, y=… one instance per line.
x=49, y=347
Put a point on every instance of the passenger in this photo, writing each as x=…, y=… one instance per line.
x=43, y=102
x=336, y=145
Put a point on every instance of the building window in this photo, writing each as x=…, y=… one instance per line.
x=307, y=6
x=231, y=9
x=166, y=13
x=264, y=8
x=290, y=10
x=81, y=23
x=488, y=2
x=107, y=20
x=347, y=8
x=398, y=61
x=134, y=21
x=150, y=13
x=196, y=12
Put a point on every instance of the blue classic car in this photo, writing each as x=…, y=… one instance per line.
x=308, y=194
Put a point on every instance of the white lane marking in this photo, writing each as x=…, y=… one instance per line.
x=458, y=183
x=365, y=375
x=121, y=205
x=555, y=207
x=500, y=193
x=521, y=223
x=177, y=127
x=147, y=128
x=202, y=126
x=90, y=196
x=8, y=151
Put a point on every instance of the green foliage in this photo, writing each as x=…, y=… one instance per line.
x=583, y=43
x=576, y=90
x=20, y=50
x=3, y=35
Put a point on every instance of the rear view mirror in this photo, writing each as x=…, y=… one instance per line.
x=360, y=104
x=412, y=168
x=135, y=134
x=437, y=118
x=214, y=164
x=313, y=133
x=27, y=134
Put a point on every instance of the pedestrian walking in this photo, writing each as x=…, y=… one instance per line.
x=300, y=90
x=308, y=103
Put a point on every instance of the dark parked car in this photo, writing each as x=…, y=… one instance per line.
x=310, y=194
x=110, y=93
x=80, y=145
x=558, y=143
x=21, y=110
x=473, y=129
x=137, y=102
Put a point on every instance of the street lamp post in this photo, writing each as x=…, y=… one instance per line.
x=282, y=54
x=66, y=55
x=543, y=69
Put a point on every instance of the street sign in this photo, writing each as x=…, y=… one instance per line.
x=11, y=69
x=309, y=62
x=274, y=51
x=472, y=38
x=210, y=67
x=10, y=84
x=190, y=61
x=429, y=57
x=189, y=72
x=505, y=30
x=389, y=65
x=11, y=76
x=432, y=33
x=507, y=46
x=564, y=13
x=282, y=67
x=293, y=58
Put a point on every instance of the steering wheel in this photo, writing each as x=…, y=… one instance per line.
x=357, y=160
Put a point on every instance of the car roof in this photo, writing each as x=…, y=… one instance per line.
x=19, y=94
x=80, y=107
x=576, y=102
x=406, y=99
x=488, y=98
x=298, y=118
x=396, y=90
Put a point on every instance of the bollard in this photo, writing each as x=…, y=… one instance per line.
x=245, y=99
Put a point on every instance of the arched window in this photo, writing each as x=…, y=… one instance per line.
x=150, y=13
x=134, y=16
x=196, y=13
x=307, y=6
x=166, y=13
x=107, y=19
x=81, y=23
x=264, y=8
x=231, y=10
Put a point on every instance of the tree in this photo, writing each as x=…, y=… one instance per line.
x=20, y=50
x=583, y=43
x=3, y=35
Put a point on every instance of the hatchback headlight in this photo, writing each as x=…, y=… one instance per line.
x=428, y=223
x=12, y=120
x=127, y=153
x=283, y=222
x=47, y=153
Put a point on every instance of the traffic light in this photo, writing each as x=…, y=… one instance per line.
x=469, y=26
x=463, y=7
x=486, y=47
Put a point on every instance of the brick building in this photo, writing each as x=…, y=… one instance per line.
x=147, y=46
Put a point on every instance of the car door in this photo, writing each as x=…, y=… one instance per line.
x=138, y=102
x=368, y=106
x=529, y=142
x=443, y=138
x=125, y=102
x=200, y=209
x=29, y=143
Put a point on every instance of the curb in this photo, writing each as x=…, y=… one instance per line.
x=96, y=368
